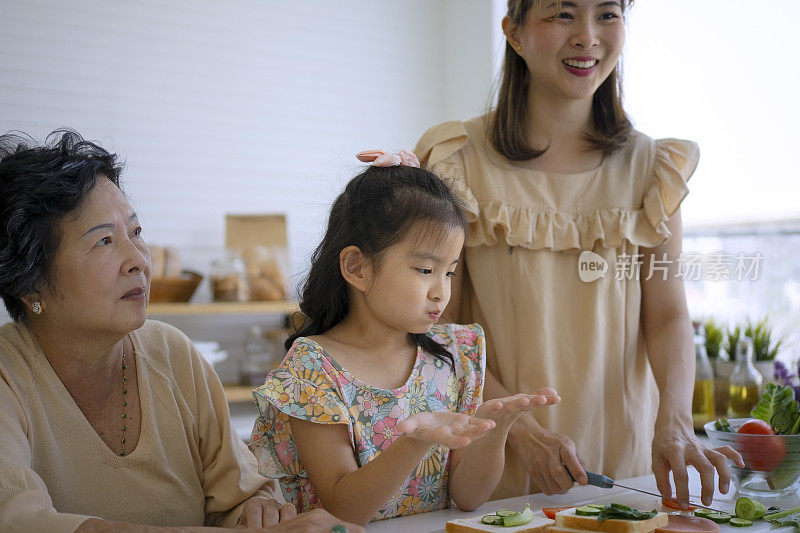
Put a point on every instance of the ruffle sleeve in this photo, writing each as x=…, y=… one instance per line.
x=671, y=163
x=676, y=161
x=303, y=386
x=438, y=151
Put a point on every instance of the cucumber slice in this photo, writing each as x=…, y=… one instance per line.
x=519, y=519
x=740, y=522
x=492, y=520
x=505, y=512
x=749, y=509
x=703, y=513
x=719, y=518
x=596, y=506
x=587, y=511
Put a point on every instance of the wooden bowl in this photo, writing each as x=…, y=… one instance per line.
x=169, y=290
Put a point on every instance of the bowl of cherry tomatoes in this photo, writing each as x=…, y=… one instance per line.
x=772, y=462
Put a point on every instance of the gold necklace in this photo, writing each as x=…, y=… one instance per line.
x=124, y=402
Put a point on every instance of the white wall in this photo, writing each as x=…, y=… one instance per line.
x=721, y=72
x=245, y=106
x=258, y=106
x=241, y=106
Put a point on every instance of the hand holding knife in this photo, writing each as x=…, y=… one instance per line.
x=605, y=482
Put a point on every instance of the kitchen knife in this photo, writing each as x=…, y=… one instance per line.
x=605, y=482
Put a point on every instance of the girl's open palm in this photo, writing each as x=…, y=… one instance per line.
x=454, y=430
x=504, y=411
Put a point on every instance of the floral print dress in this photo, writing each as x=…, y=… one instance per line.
x=310, y=385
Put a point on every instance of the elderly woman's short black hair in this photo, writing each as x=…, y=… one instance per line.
x=39, y=186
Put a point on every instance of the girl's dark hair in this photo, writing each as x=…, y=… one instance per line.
x=507, y=123
x=377, y=209
x=39, y=186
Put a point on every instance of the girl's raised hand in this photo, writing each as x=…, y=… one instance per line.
x=454, y=430
x=504, y=411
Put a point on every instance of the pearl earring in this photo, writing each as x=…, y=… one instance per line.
x=37, y=307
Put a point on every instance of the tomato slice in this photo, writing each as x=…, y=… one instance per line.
x=550, y=512
x=672, y=504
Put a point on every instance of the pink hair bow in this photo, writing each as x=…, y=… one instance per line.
x=379, y=158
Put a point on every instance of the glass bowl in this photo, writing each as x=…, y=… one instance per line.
x=772, y=462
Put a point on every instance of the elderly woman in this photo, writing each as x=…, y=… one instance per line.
x=107, y=421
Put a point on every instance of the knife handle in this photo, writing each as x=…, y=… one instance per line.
x=596, y=480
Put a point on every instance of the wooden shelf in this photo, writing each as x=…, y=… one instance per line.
x=239, y=393
x=222, y=308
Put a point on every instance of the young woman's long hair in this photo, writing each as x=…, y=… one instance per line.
x=377, y=209
x=507, y=125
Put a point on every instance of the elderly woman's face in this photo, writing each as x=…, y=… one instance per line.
x=101, y=272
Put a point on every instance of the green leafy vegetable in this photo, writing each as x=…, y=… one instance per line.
x=790, y=517
x=778, y=408
x=723, y=425
x=623, y=512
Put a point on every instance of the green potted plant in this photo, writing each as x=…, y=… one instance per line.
x=765, y=348
x=715, y=336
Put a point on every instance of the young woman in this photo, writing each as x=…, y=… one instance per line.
x=556, y=169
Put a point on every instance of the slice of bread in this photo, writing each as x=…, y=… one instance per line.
x=559, y=529
x=473, y=524
x=569, y=519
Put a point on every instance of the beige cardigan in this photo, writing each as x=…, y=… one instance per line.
x=188, y=468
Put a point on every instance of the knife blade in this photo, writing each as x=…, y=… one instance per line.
x=605, y=482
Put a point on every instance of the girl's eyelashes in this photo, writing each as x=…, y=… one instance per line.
x=428, y=271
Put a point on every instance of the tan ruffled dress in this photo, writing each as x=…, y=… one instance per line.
x=544, y=326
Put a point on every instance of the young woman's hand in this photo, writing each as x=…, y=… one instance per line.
x=505, y=411
x=454, y=430
x=675, y=448
x=545, y=453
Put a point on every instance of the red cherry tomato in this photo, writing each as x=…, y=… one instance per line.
x=760, y=453
x=672, y=504
x=550, y=512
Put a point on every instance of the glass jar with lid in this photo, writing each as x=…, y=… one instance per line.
x=229, y=279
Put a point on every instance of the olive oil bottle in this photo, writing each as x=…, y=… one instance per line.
x=745, y=382
x=703, y=398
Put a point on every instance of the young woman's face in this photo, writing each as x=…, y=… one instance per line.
x=101, y=272
x=410, y=286
x=570, y=51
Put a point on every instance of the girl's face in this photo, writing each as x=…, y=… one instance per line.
x=410, y=286
x=570, y=51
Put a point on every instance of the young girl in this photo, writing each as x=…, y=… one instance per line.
x=376, y=410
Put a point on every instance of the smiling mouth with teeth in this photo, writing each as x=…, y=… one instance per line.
x=581, y=64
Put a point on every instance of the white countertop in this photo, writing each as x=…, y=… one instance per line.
x=435, y=522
